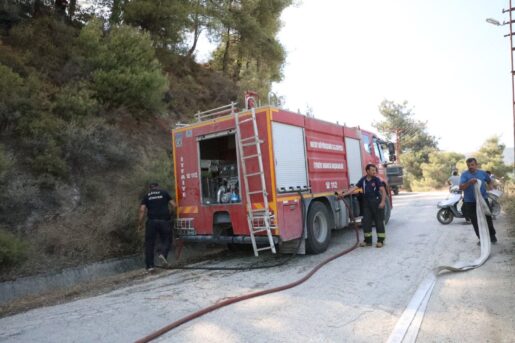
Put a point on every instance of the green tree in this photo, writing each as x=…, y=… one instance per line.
x=124, y=70
x=166, y=21
x=399, y=122
x=414, y=144
x=490, y=157
x=249, y=51
x=436, y=172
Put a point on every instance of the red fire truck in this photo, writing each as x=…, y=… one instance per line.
x=268, y=177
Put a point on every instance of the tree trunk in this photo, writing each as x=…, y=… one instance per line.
x=196, y=31
x=38, y=8
x=225, y=64
x=60, y=9
x=116, y=12
x=196, y=35
x=239, y=63
x=71, y=9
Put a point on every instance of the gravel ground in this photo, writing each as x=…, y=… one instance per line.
x=356, y=298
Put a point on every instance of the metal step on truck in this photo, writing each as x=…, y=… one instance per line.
x=267, y=177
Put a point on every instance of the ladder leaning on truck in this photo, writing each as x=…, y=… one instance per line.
x=256, y=176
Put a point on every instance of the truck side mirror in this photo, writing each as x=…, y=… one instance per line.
x=391, y=152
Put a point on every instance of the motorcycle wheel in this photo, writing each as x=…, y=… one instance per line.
x=495, y=207
x=444, y=216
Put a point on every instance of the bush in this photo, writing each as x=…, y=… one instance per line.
x=5, y=164
x=75, y=101
x=92, y=145
x=40, y=136
x=12, y=250
x=11, y=94
x=508, y=205
x=19, y=198
x=125, y=72
x=160, y=170
x=48, y=46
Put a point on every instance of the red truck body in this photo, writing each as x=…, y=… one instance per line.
x=305, y=160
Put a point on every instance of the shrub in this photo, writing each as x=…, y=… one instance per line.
x=12, y=250
x=125, y=72
x=508, y=204
x=49, y=161
x=160, y=170
x=40, y=135
x=5, y=164
x=18, y=198
x=93, y=145
x=11, y=94
x=48, y=45
x=75, y=101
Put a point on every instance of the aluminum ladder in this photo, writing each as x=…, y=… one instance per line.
x=259, y=220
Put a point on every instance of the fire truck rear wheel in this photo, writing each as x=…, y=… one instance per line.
x=387, y=211
x=319, y=228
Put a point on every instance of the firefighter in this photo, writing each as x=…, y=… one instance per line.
x=156, y=203
x=374, y=198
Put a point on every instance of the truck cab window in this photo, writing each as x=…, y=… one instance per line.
x=379, y=152
x=366, y=143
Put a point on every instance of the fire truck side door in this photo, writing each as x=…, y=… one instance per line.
x=354, y=159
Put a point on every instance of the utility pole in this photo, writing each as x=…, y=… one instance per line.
x=512, y=51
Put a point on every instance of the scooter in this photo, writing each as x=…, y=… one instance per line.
x=450, y=208
x=493, y=198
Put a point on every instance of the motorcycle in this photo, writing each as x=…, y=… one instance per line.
x=493, y=198
x=450, y=208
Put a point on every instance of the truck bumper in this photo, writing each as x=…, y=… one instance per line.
x=260, y=240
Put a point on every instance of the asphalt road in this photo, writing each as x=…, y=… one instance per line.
x=356, y=298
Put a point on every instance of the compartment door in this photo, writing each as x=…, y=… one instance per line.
x=290, y=157
x=354, y=159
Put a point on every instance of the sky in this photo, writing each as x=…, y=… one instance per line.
x=344, y=57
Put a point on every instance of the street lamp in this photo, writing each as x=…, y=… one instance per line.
x=493, y=21
x=512, y=51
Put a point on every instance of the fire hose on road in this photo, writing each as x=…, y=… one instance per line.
x=237, y=299
x=408, y=326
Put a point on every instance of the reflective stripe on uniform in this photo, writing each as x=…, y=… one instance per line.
x=368, y=234
x=381, y=235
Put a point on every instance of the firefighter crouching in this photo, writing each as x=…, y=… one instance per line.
x=374, y=197
x=156, y=203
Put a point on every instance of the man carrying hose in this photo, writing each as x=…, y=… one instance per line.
x=467, y=181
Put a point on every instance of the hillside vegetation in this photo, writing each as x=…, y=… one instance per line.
x=88, y=94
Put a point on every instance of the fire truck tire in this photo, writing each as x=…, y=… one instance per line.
x=387, y=211
x=319, y=228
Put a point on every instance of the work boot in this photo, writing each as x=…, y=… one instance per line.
x=379, y=244
x=493, y=239
x=365, y=244
x=150, y=269
x=163, y=260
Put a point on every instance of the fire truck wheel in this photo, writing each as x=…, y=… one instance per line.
x=387, y=211
x=319, y=228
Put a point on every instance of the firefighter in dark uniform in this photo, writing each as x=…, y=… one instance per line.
x=156, y=203
x=374, y=197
